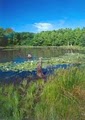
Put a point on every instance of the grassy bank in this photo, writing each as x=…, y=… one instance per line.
x=64, y=47
x=62, y=97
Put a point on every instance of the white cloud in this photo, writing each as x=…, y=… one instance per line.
x=43, y=26
x=51, y=25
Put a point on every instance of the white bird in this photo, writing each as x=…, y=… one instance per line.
x=29, y=56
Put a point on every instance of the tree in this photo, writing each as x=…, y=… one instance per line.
x=3, y=40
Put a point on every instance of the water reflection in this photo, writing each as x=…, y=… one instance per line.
x=18, y=76
x=7, y=55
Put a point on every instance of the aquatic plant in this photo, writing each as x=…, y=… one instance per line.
x=31, y=65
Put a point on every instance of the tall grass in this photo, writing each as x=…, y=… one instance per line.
x=62, y=97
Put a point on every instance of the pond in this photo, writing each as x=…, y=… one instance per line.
x=15, y=66
x=20, y=54
x=17, y=76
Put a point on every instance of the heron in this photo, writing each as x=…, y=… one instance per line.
x=39, y=69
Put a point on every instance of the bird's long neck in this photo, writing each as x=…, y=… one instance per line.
x=40, y=61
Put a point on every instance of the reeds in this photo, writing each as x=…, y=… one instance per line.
x=62, y=97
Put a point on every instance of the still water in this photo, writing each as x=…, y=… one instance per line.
x=20, y=54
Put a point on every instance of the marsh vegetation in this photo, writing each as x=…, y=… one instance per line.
x=61, y=97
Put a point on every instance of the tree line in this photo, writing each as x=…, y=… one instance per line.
x=60, y=37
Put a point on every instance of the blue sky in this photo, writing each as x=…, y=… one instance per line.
x=41, y=15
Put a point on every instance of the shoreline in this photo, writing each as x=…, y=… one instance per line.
x=64, y=47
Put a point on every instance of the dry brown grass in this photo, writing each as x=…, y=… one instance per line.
x=79, y=92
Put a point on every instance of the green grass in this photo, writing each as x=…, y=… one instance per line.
x=62, y=97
